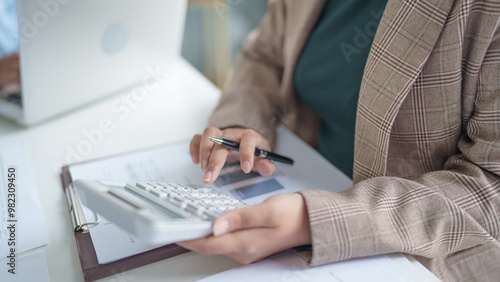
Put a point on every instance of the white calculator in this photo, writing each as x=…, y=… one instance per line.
x=157, y=212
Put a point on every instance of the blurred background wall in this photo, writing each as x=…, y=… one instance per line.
x=215, y=32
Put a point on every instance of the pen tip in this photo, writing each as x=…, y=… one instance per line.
x=215, y=139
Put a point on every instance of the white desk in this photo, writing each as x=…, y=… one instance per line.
x=176, y=110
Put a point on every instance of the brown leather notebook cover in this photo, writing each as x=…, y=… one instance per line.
x=91, y=268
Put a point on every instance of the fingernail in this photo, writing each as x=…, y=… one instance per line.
x=246, y=167
x=221, y=228
x=192, y=158
x=208, y=176
x=204, y=165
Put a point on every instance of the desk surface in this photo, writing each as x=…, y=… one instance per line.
x=176, y=110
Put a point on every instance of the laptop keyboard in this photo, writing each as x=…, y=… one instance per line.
x=14, y=98
x=184, y=200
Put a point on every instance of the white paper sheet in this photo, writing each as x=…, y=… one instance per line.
x=31, y=231
x=172, y=163
x=30, y=267
x=287, y=266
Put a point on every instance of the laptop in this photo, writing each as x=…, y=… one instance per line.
x=74, y=52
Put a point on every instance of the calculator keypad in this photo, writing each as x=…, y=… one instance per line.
x=202, y=202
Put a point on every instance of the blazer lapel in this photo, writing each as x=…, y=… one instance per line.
x=404, y=40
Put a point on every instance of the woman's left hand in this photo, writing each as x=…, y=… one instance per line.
x=9, y=70
x=252, y=233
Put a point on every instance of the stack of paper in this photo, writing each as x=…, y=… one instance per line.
x=23, y=225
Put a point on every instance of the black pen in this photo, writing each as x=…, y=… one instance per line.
x=233, y=145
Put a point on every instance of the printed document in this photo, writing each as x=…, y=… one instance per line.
x=287, y=266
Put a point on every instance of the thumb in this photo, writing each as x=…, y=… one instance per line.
x=241, y=218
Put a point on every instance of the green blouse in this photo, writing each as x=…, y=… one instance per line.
x=328, y=73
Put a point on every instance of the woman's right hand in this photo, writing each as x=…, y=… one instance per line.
x=212, y=156
x=9, y=70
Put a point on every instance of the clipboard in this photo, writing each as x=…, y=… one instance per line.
x=91, y=268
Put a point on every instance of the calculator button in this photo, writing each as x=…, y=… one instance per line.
x=158, y=193
x=191, y=208
x=189, y=198
x=143, y=186
x=179, y=202
x=211, y=215
x=203, y=205
x=204, y=190
x=165, y=185
x=175, y=201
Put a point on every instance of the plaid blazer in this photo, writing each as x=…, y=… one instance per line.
x=427, y=143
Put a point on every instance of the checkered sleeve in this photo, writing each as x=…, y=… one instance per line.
x=437, y=213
